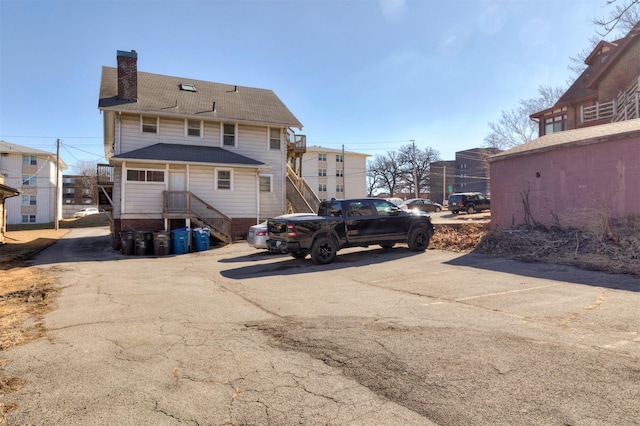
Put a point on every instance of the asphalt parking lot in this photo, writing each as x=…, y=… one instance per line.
x=238, y=336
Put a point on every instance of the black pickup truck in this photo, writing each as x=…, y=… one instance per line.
x=349, y=223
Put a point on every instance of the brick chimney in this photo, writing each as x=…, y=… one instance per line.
x=128, y=75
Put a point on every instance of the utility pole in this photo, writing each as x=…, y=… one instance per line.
x=444, y=183
x=344, y=187
x=55, y=198
x=415, y=170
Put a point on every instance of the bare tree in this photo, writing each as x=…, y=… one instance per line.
x=88, y=171
x=386, y=172
x=514, y=127
x=415, y=165
x=625, y=15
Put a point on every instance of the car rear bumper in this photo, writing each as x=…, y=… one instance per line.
x=278, y=246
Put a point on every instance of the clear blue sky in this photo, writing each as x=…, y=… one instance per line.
x=367, y=74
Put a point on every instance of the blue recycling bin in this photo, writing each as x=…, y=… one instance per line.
x=201, y=238
x=180, y=240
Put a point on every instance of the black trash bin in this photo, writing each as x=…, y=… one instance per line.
x=127, y=243
x=161, y=243
x=143, y=242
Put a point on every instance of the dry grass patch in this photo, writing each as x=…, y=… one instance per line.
x=24, y=298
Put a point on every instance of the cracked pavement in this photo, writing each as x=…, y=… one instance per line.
x=235, y=336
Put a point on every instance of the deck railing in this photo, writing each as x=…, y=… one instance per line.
x=184, y=202
x=624, y=107
x=297, y=187
x=105, y=174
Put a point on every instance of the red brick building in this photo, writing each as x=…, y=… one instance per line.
x=607, y=91
x=585, y=166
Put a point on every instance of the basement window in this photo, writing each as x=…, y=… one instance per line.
x=187, y=87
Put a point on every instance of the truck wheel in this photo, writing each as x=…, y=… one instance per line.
x=471, y=210
x=298, y=254
x=418, y=239
x=323, y=251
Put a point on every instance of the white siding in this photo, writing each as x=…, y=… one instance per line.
x=144, y=198
x=44, y=190
x=241, y=201
x=354, y=176
x=171, y=131
x=238, y=202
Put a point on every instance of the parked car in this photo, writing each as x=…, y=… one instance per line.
x=394, y=200
x=422, y=204
x=257, y=235
x=470, y=202
x=86, y=212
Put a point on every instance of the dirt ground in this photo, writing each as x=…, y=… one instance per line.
x=26, y=294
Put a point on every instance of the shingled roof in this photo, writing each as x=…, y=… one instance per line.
x=165, y=95
x=178, y=153
x=576, y=137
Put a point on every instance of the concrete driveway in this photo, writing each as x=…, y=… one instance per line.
x=238, y=336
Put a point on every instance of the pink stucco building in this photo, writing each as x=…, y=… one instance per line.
x=568, y=179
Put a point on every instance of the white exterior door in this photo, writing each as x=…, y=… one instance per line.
x=177, y=181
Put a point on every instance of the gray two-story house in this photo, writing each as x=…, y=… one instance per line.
x=185, y=152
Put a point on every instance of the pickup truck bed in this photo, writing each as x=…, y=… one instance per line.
x=349, y=223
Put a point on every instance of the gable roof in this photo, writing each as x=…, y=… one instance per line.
x=164, y=95
x=177, y=153
x=571, y=138
x=585, y=86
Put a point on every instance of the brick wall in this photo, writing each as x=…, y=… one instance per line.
x=568, y=187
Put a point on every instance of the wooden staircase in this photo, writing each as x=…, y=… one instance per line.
x=300, y=197
x=184, y=204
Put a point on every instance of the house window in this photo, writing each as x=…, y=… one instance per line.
x=555, y=124
x=274, y=139
x=265, y=183
x=339, y=158
x=322, y=157
x=229, y=135
x=322, y=172
x=339, y=172
x=223, y=179
x=68, y=200
x=193, y=128
x=28, y=200
x=149, y=124
x=29, y=160
x=145, y=175
x=69, y=190
x=322, y=187
x=28, y=180
x=339, y=188
x=28, y=218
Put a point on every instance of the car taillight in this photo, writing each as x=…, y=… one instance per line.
x=262, y=233
x=291, y=231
